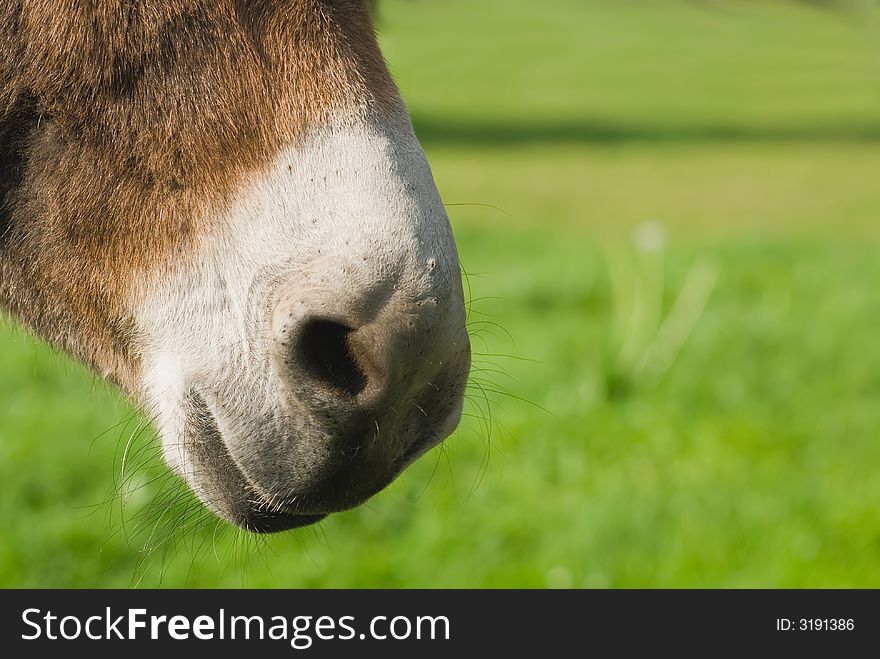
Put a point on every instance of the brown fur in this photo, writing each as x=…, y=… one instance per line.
x=123, y=121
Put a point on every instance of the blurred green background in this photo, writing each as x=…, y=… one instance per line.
x=669, y=214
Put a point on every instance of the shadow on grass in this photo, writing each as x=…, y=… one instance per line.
x=433, y=130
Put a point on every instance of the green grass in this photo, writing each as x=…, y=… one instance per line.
x=745, y=134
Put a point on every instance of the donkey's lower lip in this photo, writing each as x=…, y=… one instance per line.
x=223, y=486
x=273, y=522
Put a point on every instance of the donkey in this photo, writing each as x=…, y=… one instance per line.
x=220, y=206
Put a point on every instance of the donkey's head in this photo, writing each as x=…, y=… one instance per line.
x=220, y=206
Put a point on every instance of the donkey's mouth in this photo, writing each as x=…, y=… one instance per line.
x=268, y=478
x=220, y=483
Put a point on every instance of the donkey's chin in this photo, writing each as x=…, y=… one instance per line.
x=227, y=488
x=221, y=485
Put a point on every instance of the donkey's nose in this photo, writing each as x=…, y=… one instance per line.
x=323, y=352
x=333, y=362
x=342, y=350
x=372, y=371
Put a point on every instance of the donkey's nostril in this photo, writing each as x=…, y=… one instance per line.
x=324, y=353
